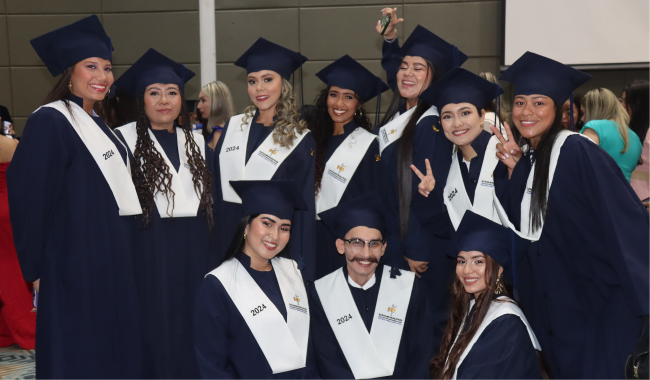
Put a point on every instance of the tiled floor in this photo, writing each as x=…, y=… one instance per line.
x=16, y=363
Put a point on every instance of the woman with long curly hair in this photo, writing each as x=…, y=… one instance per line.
x=583, y=273
x=268, y=141
x=347, y=152
x=70, y=200
x=173, y=235
x=487, y=336
x=408, y=135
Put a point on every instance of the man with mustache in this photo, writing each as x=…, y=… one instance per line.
x=368, y=319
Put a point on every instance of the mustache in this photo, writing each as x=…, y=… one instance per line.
x=371, y=259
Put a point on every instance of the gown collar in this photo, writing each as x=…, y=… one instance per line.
x=79, y=101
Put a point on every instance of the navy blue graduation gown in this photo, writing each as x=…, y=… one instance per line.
x=173, y=256
x=415, y=349
x=430, y=211
x=68, y=233
x=419, y=244
x=366, y=179
x=225, y=346
x=584, y=284
x=299, y=167
x=503, y=351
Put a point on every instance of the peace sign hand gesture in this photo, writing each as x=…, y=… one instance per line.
x=390, y=32
x=508, y=150
x=427, y=181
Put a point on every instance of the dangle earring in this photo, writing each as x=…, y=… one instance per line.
x=244, y=236
x=70, y=86
x=499, y=286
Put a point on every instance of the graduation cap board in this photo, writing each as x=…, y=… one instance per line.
x=153, y=67
x=64, y=47
x=266, y=55
x=277, y=198
x=363, y=211
x=349, y=74
x=461, y=86
x=423, y=43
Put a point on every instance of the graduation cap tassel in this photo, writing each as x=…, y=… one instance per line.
x=377, y=110
x=497, y=114
x=513, y=253
x=394, y=270
x=573, y=129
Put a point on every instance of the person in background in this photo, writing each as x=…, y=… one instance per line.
x=637, y=104
x=253, y=313
x=17, y=321
x=216, y=106
x=577, y=113
x=173, y=235
x=607, y=125
x=488, y=335
x=491, y=108
x=347, y=152
x=72, y=202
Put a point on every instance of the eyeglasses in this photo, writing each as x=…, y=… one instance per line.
x=358, y=244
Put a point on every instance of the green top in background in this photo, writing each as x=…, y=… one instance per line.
x=612, y=142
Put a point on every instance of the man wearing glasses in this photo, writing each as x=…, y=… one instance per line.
x=366, y=323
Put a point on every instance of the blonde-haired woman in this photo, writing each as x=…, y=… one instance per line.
x=607, y=124
x=267, y=142
x=491, y=108
x=216, y=106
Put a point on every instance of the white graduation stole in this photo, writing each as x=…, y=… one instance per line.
x=496, y=310
x=284, y=344
x=263, y=162
x=525, y=230
x=373, y=354
x=340, y=168
x=455, y=194
x=186, y=200
x=105, y=154
x=392, y=131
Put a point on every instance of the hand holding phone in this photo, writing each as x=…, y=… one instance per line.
x=386, y=26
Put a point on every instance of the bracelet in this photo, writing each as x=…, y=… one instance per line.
x=392, y=39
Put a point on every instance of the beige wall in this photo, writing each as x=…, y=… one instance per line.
x=323, y=30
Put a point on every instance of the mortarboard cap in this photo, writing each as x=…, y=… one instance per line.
x=66, y=46
x=477, y=233
x=536, y=74
x=277, y=198
x=461, y=86
x=349, y=74
x=266, y=55
x=153, y=67
x=362, y=211
x=423, y=43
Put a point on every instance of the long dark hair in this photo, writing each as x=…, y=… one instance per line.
x=321, y=126
x=151, y=173
x=237, y=243
x=539, y=196
x=121, y=109
x=405, y=150
x=443, y=365
x=637, y=98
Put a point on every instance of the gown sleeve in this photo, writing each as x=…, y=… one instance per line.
x=420, y=345
x=503, y=351
x=390, y=61
x=303, y=248
x=330, y=359
x=35, y=180
x=211, y=325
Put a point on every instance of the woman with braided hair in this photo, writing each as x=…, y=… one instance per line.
x=173, y=235
x=348, y=164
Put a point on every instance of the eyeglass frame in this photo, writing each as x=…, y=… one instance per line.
x=365, y=242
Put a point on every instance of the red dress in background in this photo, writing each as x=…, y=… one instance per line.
x=17, y=322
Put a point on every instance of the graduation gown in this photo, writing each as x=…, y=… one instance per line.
x=503, y=351
x=584, y=283
x=366, y=179
x=299, y=167
x=430, y=212
x=419, y=244
x=415, y=348
x=173, y=255
x=225, y=346
x=68, y=232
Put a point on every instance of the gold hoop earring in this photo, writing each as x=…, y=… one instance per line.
x=499, y=286
x=108, y=93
